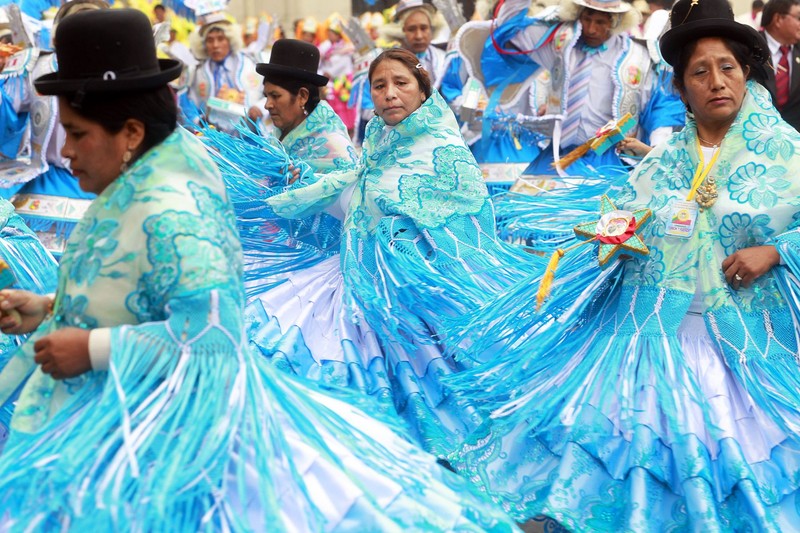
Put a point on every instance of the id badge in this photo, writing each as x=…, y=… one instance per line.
x=682, y=218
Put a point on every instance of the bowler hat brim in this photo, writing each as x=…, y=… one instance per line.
x=676, y=39
x=53, y=85
x=267, y=69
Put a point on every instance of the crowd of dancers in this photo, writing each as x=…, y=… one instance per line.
x=259, y=283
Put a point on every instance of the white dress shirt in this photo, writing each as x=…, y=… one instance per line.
x=775, y=52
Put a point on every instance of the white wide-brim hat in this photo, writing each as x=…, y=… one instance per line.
x=607, y=6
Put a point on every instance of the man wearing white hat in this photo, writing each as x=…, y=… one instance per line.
x=225, y=72
x=598, y=74
x=419, y=22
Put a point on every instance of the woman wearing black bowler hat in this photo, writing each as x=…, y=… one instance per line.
x=141, y=406
x=308, y=127
x=667, y=396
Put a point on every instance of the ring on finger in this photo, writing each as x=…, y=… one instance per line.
x=737, y=277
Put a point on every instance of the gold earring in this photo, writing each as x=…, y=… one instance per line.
x=126, y=158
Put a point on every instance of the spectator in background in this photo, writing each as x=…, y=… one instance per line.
x=419, y=22
x=781, y=20
x=753, y=17
x=225, y=71
x=306, y=30
x=336, y=63
x=159, y=14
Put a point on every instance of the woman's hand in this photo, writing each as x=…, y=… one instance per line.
x=633, y=146
x=295, y=173
x=22, y=311
x=254, y=113
x=742, y=268
x=64, y=353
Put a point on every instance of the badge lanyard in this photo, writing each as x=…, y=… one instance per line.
x=683, y=214
x=702, y=170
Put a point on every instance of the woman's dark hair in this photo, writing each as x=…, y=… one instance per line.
x=156, y=108
x=741, y=52
x=410, y=61
x=293, y=86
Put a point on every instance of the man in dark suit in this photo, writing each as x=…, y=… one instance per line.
x=781, y=22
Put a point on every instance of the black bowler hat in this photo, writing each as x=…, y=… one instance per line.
x=292, y=58
x=691, y=20
x=106, y=50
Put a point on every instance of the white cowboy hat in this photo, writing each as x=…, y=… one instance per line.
x=607, y=6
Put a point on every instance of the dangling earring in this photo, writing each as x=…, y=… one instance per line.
x=126, y=158
x=305, y=111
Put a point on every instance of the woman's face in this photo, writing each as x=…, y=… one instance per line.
x=395, y=91
x=284, y=108
x=95, y=155
x=714, y=83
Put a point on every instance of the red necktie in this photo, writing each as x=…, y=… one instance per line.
x=782, y=78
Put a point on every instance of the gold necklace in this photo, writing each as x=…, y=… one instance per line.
x=708, y=143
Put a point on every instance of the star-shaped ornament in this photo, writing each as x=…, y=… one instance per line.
x=617, y=232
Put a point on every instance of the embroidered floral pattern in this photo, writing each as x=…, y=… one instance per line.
x=763, y=138
x=393, y=148
x=674, y=172
x=321, y=140
x=758, y=185
x=454, y=187
x=97, y=242
x=740, y=230
x=186, y=250
x=72, y=312
x=650, y=270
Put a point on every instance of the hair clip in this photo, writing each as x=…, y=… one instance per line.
x=418, y=65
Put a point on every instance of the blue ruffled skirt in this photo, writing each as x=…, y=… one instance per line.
x=632, y=422
x=306, y=327
x=207, y=436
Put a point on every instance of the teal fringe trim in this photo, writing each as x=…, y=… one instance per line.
x=519, y=341
x=544, y=222
x=35, y=270
x=255, y=168
x=422, y=278
x=774, y=380
x=179, y=430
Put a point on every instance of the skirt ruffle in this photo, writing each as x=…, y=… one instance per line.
x=645, y=432
x=305, y=326
x=221, y=441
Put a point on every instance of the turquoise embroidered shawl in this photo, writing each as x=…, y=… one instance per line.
x=321, y=140
x=420, y=168
x=419, y=220
x=122, y=265
x=758, y=203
